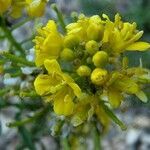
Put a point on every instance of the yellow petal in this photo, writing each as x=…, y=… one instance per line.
x=52, y=66
x=139, y=46
x=80, y=114
x=51, y=26
x=76, y=120
x=4, y=5
x=127, y=85
x=53, y=43
x=41, y=57
x=142, y=96
x=114, y=97
x=16, y=11
x=63, y=105
x=67, y=78
x=76, y=89
x=44, y=83
x=36, y=8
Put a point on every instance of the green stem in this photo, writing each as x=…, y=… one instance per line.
x=27, y=40
x=96, y=139
x=28, y=94
x=65, y=144
x=27, y=106
x=17, y=59
x=10, y=37
x=3, y=91
x=26, y=135
x=60, y=17
x=110, y=113
x=17, y=25
x=28, y=120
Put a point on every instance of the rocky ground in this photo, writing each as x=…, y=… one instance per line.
x=136, y=137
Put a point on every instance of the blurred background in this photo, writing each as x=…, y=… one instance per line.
x=133, y=112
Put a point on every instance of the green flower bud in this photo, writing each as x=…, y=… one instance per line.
x=77, y=62
x=89, y=60
x=95, y=31
x=83, y=71
x=67, y=54
x=71, y=41
x=92, y=47
x=99, y=76
x=100, y=59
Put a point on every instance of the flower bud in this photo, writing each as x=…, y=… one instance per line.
x=71, y=41
x=89, y=60
x=100, y=59
x=92, y=47
x=99, y=76
x=35, y=8
x=77, y=62
x=67, y=54
x=83, y=71
x=95, y=31
x=96, y=19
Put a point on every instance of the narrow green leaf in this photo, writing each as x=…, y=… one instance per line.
x=26, y=136
x=17, y=59
x=59, y=16
x=111, y=114
x=28, y=120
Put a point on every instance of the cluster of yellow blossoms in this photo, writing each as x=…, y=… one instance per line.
x=34, y=8
x=85, y=67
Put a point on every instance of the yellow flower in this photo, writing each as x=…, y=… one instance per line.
x=120, y=84
x=87, y=106
x=60, y=85
x=49, y=43
x=4, y=5
x=122, y=36
x=86, y=28
x=35, y=8
x=90, y=51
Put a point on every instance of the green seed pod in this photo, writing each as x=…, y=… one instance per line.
x=99, y=76
x=92, y=47
x=100, y=59
x=67, y=54
x=95, y=31
x=83, y=71
x=71, y=41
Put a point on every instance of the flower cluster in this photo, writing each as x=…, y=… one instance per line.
x=85, y=67
x=34, y=8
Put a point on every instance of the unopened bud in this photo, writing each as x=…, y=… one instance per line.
x=92, y=47
x=83, y=71
x=95, y=31
x=67, y=54
x=89, y=60
x=99, y=76
x=100, y=59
